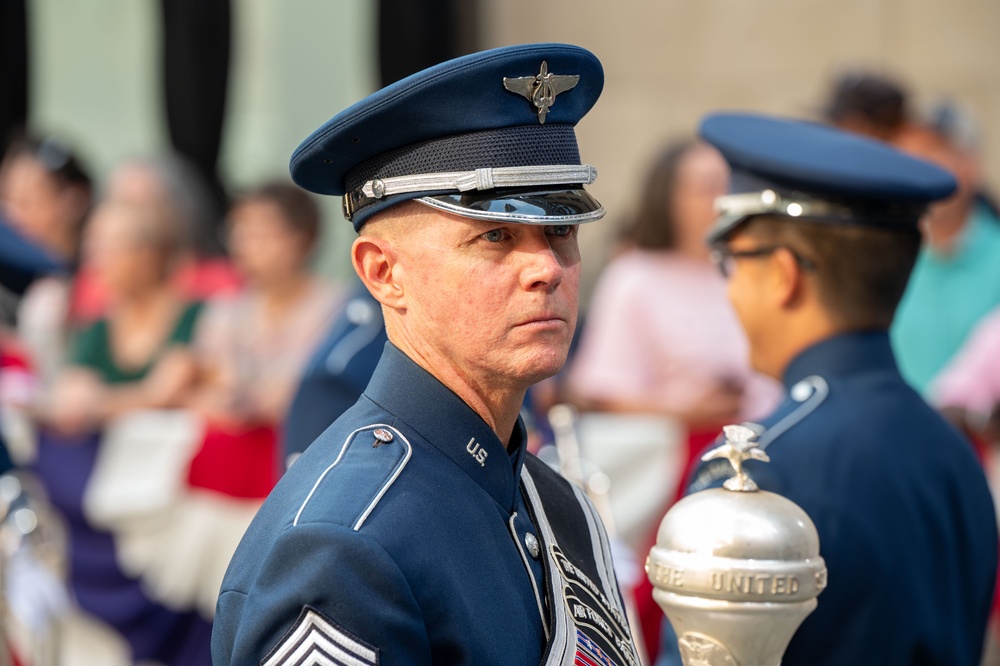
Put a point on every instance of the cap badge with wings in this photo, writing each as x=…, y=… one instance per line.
x=541, y=90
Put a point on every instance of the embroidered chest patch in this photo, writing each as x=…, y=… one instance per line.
x=602, y=635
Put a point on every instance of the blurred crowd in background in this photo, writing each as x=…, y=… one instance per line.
x=183, y=347
x=150, y=388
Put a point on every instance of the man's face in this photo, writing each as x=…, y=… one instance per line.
x=497, y=301
x=747, y=286
x=264, y=244
x=34, y=202
x=702, y=176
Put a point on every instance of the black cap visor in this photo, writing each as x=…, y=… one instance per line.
x=521, y=205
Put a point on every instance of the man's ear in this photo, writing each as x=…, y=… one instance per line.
x=376, y=263
x=789, y=279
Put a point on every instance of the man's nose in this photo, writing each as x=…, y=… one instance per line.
x=544, y=267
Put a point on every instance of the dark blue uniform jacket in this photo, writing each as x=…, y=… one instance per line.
x=406, y=534
x=904, y=515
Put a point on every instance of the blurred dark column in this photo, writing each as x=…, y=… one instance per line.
x=196, y=50
x=13, y=69
x=415, y=34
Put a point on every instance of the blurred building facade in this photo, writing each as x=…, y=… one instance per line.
x=668, y=62
x=95, y=76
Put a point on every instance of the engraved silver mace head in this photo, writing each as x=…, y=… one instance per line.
x=736, y=569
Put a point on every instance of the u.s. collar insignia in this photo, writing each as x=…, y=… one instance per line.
x=541, y=90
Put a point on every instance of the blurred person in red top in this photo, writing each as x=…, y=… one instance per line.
x=253, y=346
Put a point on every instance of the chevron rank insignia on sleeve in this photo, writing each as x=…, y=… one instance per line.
x=315, y=640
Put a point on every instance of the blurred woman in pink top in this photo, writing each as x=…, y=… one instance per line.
x=252, y=347
x=660, y=336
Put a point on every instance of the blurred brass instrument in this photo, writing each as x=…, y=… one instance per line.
x=33, y=573
x=596, y=484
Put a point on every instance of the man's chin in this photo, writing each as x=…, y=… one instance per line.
x=542, y=364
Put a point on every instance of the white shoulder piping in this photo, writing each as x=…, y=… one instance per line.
x=389, y=481
x=820, y=390
x=385, y=486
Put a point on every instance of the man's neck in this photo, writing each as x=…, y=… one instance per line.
x=799, y=337
x=499, y=407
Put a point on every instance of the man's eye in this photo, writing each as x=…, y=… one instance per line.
x=561, y=229
x=493, y=235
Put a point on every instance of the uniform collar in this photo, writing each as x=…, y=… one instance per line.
x=844, y=354
x=439, y=416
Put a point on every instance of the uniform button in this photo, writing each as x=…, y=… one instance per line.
x=532, y=544
x=801, y=391
x=382, y=436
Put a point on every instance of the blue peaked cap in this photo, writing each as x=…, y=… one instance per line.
x=795, y=168
x=461, y=118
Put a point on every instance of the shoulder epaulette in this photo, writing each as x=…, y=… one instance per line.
x=342, y=495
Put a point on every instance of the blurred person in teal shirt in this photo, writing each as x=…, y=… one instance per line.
x=956, y=280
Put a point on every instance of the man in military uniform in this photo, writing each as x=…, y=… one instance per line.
x=417, y=529
x=817, y=239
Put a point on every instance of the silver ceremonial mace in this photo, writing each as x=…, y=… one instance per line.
x=736, y=569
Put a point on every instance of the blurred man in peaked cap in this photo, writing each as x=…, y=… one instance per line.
x=417, y=529
x=817, y=238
